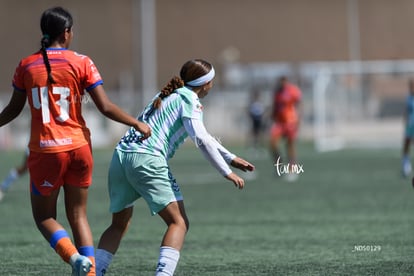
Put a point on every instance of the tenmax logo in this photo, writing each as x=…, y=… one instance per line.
x=282, y=168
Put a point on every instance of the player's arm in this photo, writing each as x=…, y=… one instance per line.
x=206, y=143
x=209, y=147
x=13, y=109
x=232, y=159
x=114, y=112
x=203, y=140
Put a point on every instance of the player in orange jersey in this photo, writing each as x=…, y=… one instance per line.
x=285, y=118
x=53, y=81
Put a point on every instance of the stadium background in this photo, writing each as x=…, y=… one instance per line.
x=139, y=45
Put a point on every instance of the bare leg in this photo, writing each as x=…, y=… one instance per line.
x=176, y=219
x=406, y=146
x=44, y=214
x=274, y=148
x=110, y=239
x=76, y=211
x=112, y=236
x=291, y=151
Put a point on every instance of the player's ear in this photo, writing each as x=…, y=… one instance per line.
x=67, y=34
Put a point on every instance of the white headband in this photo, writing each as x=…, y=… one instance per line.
x=203, y=79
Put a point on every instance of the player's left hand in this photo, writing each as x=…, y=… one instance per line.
x=242, y=164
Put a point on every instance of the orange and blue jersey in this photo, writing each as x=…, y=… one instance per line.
x=57, y=124
x=284, y=104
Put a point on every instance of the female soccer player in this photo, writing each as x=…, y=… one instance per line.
x=53, y=81
x=140, y=169
x=409, y=130
x=286, y=99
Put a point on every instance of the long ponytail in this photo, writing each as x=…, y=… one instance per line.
x=172, y=85
x=45, y=42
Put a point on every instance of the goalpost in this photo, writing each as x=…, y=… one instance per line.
x=358, y=104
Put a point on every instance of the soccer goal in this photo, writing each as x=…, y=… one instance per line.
x=358, y=104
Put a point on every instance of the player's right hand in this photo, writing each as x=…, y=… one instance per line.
x=237, y=180
x=144, y=129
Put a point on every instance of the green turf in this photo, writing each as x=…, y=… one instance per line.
x=350, y=213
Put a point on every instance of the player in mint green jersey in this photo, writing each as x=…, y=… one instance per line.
x=139, y=168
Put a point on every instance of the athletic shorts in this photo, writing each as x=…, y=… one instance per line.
x=289, y=131
x=50, y=171
x=133, y=175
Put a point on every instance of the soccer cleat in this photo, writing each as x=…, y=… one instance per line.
x=82, y=266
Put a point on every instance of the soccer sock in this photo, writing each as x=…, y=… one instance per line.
x=167, y=261
x=89, y=252
x=103, y=260
x=63, y=246
x=13, y=175
x=406, y=159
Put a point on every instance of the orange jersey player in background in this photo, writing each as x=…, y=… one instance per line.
x=285, y=119
x=53, y=81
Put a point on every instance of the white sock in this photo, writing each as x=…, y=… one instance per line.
x=167, y=261
x=13, y=175
x=103, y=259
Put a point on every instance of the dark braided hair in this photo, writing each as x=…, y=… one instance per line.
x=172, y=85
x=53, y=23
x=191, y=70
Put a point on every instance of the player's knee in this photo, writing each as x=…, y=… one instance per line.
x=121, y=221
x=183, y=223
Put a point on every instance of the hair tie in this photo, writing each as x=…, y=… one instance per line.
x=46, y=36
x=203, y=79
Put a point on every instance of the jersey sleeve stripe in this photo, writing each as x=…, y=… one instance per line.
x=89, y=88
x=18, y=88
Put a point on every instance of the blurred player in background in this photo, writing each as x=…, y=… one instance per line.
x=53, y=81
x=285, y=121
x=14, y=174
x=256, y=111
x=140, y=168
x=409, y=130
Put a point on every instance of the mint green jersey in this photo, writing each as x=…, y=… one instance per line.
x=167, y=129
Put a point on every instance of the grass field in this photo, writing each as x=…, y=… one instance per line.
x=349, y=213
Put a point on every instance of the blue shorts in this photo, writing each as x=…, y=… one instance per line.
x=133, y=175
